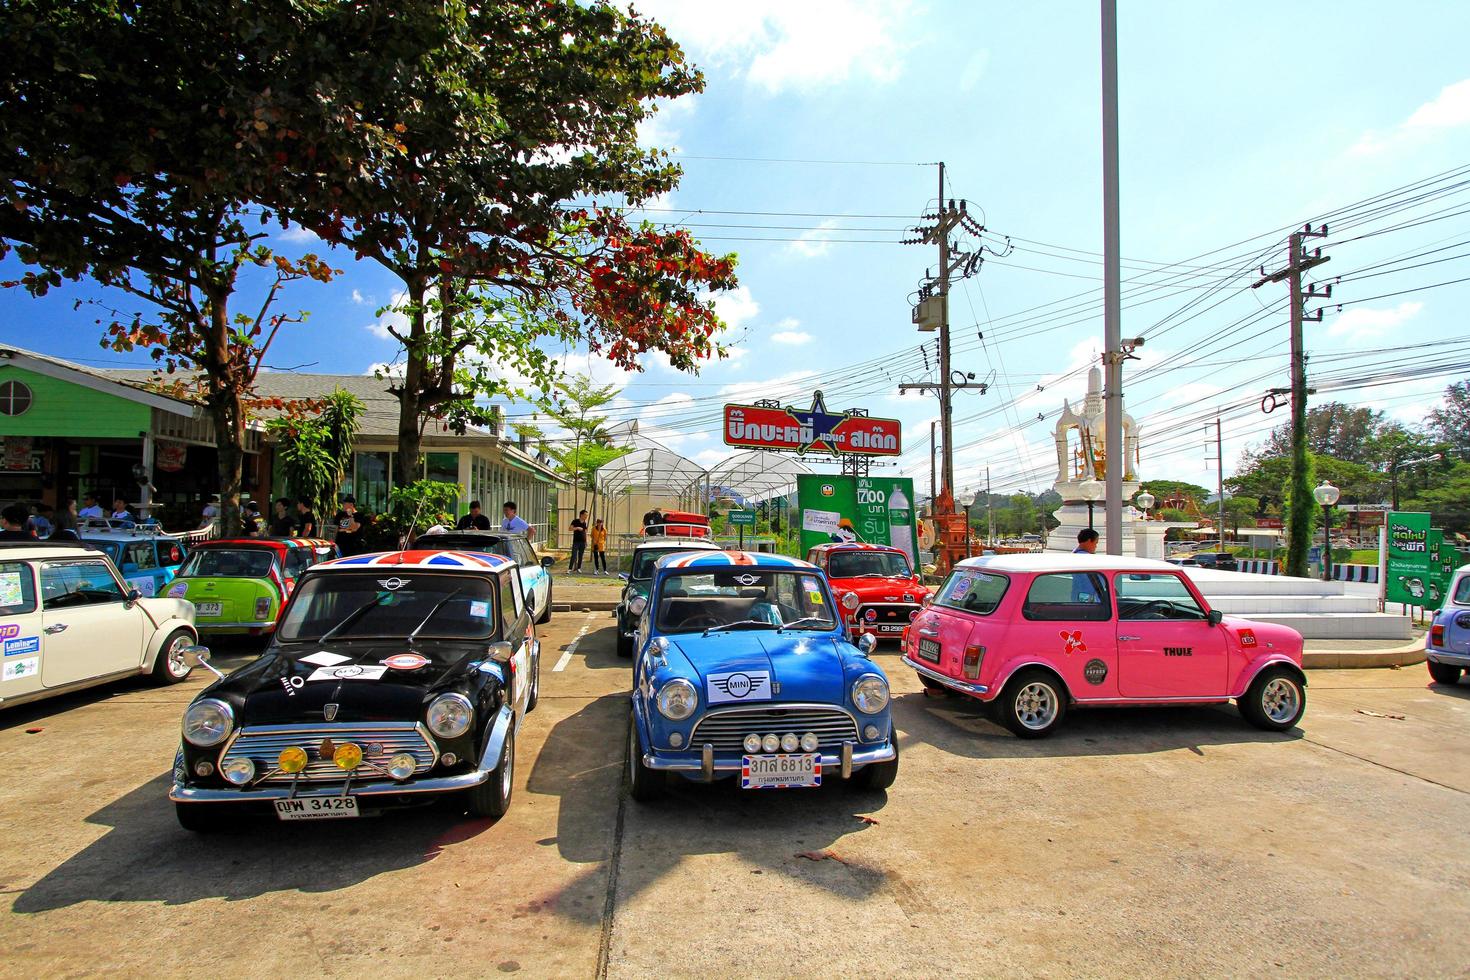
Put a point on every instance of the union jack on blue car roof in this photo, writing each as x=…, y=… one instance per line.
x=725, y=559
x=439, y=560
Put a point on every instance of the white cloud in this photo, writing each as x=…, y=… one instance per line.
x=1367, y=323
x=296, y=234
x=778, y=45
x=390, y=317
x=786, y=387
x=358, y=297
x=662, y=129
x=736, y=306
x=786, y=333
x=816, y=241
x=1448, y=110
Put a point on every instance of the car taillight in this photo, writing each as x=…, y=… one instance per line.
x=262, y=606
x=1436, y=634
x=973, y=656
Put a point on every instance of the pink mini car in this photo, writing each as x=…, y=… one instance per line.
x=1032, y=634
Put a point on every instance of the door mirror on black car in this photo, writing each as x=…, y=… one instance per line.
x=500, y=652
x=1215, y=617
x=547, y=561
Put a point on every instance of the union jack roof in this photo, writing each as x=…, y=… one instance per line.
x=724, y=559
x=855, y=546
x=437, y=560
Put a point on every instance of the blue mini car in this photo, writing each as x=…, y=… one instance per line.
x=1448, y=648
x=147, y=558
x=743, y=668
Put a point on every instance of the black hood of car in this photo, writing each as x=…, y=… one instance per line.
x=279, y=687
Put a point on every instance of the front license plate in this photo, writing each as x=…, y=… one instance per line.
x=780, y=771
x=890, y=628
x=929, y=650
x=208, y=608
x=317, y=808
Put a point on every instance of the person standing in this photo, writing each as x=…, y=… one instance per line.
x=40, y=523
x=66, y=522
x=652, y=517
x=282, y=526
x=120, y=510
x=91, y=509
x=250, y=519
x=305, y=520
x=599, y=547
x=13, y=524
x=511, y=522
x=1086, y=542
x=350, y=527
x=474, y=520
x=211, y=512
x=579, y=541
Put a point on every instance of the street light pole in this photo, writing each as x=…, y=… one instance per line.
x=1326, y=495
x=967, y=500
x=1112, y=274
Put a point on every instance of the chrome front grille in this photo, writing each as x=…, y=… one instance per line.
x=726, y=728
x=379, y=741
x=886, y=613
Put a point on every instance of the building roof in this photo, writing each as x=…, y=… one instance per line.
x=726, y=559
x=438, y=561
x=118, y=383
x=1060, y=561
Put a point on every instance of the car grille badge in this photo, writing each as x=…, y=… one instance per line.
x=329, y=712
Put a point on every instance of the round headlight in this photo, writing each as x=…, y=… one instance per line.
x=450, y=715
x=770, y=743
x=789, y=742
x=292, y=759
x=809, y=742
x=677, y=699
x=870, y=693
x=208, y=722
x=402, y=765
x=752, y=743
x=238, y=771
x=850, y=601
x=348, y=756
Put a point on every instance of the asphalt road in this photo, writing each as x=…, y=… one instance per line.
x=1164, y=842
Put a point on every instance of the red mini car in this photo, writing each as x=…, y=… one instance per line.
x=1032, y=635
x=878, y=590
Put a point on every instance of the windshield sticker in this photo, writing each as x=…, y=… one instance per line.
x=961, y=586
x=406, y=661
x=393, y=584
x=18, y=669
x=1073, y=641
x=1096, y=671
x=11, y=589
x=815, y=598
x=178, y=590
x=480, y=609
x=26, y=644
x=324, y=659
x=739, y=685
x=352, y=672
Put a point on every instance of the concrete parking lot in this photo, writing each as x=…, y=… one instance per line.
x=1174, y=841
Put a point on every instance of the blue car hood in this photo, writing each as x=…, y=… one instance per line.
x=802, y=668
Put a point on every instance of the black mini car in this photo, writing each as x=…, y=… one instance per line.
x=392, y=679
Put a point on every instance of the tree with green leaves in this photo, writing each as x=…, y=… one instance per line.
x=1450, y=423
x=576, y=409
x=315, y=448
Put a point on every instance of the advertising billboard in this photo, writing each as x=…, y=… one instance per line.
x=875, y=510
x=1407, y=561
x=770, y=426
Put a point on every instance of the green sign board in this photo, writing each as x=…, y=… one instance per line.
x=1441, y=568
x=1408, y=559
x=875, y=510
x=740, y=518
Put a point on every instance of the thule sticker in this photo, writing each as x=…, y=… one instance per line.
x=739, y=685
x=1178, y=651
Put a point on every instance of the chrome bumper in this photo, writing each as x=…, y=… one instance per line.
x=708, y=764
x=1446, y=657
x=964, y=687
x=210, y=624
x=442, y=784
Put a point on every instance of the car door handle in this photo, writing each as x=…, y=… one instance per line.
x=1124, y=639
x=55, y=629
x=927, y=632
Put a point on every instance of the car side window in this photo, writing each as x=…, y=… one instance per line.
x=66, y=585
x=141, y=554
x=297, y=561
x=524, y=554
x=508, y=611
x=17, y=589
x=1065, y=596
x=1155, y=596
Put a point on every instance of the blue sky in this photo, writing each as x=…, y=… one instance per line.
x=1237, y=121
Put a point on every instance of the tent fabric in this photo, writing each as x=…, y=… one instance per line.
x=757, y=475
x=650, y=470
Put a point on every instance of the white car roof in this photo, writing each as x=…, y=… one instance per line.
x=1059, y=561
x=683, y=544
x=24, y=551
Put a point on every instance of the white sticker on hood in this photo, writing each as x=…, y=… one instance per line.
x=324, y=659
x=353, y=672
x=739, y=685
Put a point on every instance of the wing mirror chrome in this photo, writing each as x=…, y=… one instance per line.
x=623, y=576
x=1215, y=617
x=547, y=561
x=500, y=652
x=867, y=643
x=198, y=656
x=133, y=596
x=637, y=605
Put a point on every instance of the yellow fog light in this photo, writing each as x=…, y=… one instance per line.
x=292, y=759
x=347, y=756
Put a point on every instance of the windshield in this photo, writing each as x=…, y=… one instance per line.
x=972, y=591
x=1462, y=592
x=487, y=544
x=229, y=563
x=872, y=564
x=643, y=560
x=755, y=598
x=112, y=549
x=368, y=605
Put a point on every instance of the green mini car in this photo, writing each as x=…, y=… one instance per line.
x=648, y=552
x=237, y=585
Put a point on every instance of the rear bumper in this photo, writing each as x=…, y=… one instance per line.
x=442, y=784
x=212, y=626
x=954, y=684
x=711, y=764
x=1445, y=657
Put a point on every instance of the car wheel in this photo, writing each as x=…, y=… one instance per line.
x=492, y=797
x=879, y=775
x=545, y=616
x=170, y=667
x=1443, y=673
x=625, y=644
x=1275, y=700
x=534, y=697
x=933, y=688
x=1032, y=704
x=207, y=818
x=644, y=784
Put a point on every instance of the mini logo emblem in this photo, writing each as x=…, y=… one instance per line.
x=747, y=579
x=393, y=584
x=1096, y=672
x=735, y=685
x=329, y=712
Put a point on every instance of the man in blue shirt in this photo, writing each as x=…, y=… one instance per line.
x=1086, y=542
x=513, y=523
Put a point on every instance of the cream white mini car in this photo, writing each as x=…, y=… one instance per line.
x=68, y=621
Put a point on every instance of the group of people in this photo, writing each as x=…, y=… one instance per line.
x=42, y=522
x=581, y=535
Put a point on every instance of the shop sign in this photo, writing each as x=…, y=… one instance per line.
x=170, y=456
x=1407, y=561
x=788, y=429
x=18, y=455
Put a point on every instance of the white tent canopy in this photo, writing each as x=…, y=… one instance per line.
x=756, y=475
x=652, y=471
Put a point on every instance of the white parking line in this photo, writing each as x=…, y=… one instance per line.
x=566, y=658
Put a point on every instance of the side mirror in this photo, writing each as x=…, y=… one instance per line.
x=638, y=605
x=500, y=652
x=623, y=576
x=133, y=596
x=1215, y=617
x=198, y=656
x=547, y=561
x=867, y=643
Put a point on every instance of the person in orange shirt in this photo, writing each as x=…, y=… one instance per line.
x=598, y=536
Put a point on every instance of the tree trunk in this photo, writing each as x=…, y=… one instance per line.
x=410, y=422
x=227, y=410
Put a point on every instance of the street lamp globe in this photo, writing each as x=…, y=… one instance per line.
x=1145, y=501
x=1092, y=489
x=967, y=499
x=1326, y=494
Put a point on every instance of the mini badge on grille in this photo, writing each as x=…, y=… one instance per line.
x=329, y=712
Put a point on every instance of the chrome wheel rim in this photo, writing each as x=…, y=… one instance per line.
x=1280, y=700
x=177, y=666
x=1036, y=705
x=507, y=771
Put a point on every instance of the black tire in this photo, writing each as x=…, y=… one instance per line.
x=1033, y=704
x=1443, y=673
x=625, y=644
x=1275, y=700
x=207, y=818
x=165, y=666
x=644, y=784
x=933, y=688
x=492, y=797
x=534, y=698
x=878, y=775
x=545, y=616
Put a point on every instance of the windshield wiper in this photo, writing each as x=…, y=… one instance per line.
x=741, y=625
x=432, y=613
x=352, y=617
x=804, y=619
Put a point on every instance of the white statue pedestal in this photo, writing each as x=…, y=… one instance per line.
x=1073, y=518
x=1148, y=538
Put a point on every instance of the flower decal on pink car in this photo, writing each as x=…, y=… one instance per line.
x=1073, y=641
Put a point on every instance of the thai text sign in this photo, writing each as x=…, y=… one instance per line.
x=815, y=430
x=740, y=518
x=1407, y=562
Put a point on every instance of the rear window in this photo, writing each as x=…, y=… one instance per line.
x=223, y=563
x=17, y=589
x=644, y=559
x=973, y=591
x=1068, y=596
x=1462, y=592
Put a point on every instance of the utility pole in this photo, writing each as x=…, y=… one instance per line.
x=941, y=232
x=1220, y=477
x=933, y=490
x=1303, y=506
x=1112, y=308
x=989, y=514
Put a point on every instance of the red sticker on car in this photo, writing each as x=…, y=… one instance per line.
x=406, y=661
x=1073, y=640
x=1247, y=638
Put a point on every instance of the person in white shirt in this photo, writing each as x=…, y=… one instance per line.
x=90, y=507
x=120, y=510
x=513, y=523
